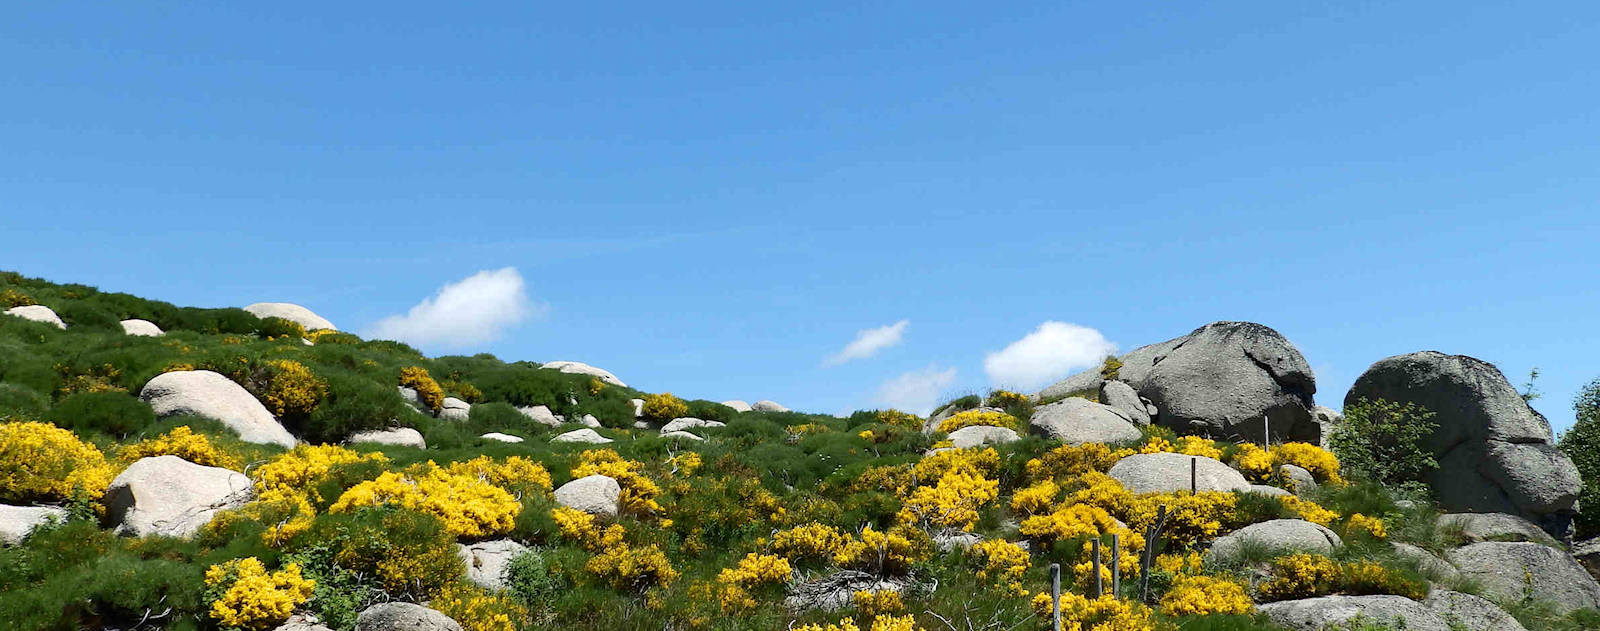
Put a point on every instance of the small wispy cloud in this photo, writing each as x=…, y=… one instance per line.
x=474, y=310
x=868, y=342
x=917, y=391
x=1052, y=351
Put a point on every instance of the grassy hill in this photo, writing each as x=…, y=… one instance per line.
x=712, y=534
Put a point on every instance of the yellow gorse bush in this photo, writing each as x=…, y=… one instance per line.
x=249, y=597
x=519, y=475
x=1309, y=510
x=899, y=419
x=1001, y=562
x=305, y=466
x=973, y=418
x=1323, y=465
x=42, y=462
x=1106, y=613
x=1297, y=576
x=1364, y=524
x=813, y=541
x=1035, y=499
x=891, y=552
x=428, y=391
x=469, y=507
x=879, y=623
x=291, y=389
x=1254, y=462
x=1205, y=595
x=754, y=570
x=478, y=610
x=638, y=492
x=1187, y=445
x=1190, y=518
x=635, y=568
x=1006, y=398
x=664, y=407
x=1073, y=461
x=183, y=443
x=953, y=501
x=877, y=602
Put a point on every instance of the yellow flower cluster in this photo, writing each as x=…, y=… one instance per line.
x=1002, y=562
x=1205, y=595
x=879, y=623
x=877, y=602
x=519, y=475
x=580, y=527
x=1302, y=576
x=1309, y=510
x=891, y=552
x=972, y=418
x=1106, y=613
x=254, y=598
x=1190, y=518
x=428, y=391
x=1187, y=563
x=478, y=610
x=292, y=389
x=899, y=419
x=468, y=506
x=183, y=443
x=754, y=570
x=664, y=407
x=1364, y=524
x=1035, y=499
x=982, y=462
x=42, y=462
x=953, y=501
x=1006, y=398
x=813, y=541
x=1187, y=445
x=1324, y=466
x=307, y=465
x=1254, y=462
x=1073, y=461
x=638, y=492
x=685, y=464
x=627, y=567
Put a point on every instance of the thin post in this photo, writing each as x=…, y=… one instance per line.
x=1116, y=565
x=1151, y=538
x=1055, y=594
x=1194, y=476
x=1099, y=585
x=1266, y=432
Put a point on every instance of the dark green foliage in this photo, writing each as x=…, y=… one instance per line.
x=21, y=402
x=1111, y=368
x=963, y=403
x=530, y=579
x=1382, y=441
x=1254, y=508
x=77, y=575
x=1581, y=443
x=710, y=411
x=354, y=403
x=362, y=541
x=116, y=414
x=1234, y=622
x=340, y=594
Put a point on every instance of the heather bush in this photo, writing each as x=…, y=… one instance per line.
x=113, y=413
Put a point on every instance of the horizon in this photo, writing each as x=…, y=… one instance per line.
x=846, y=208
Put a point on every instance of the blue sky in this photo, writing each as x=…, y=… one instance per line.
x=715, y=199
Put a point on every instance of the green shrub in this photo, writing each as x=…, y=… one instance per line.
x=21, y=402
x=1381, y=441
x=1581, y=443
x=10, y=297
x=530, y=579
x=354, y=403
x=408, y=554
x=274, y=328
x=1111, y=368
x=710, y=411
x=116, y=414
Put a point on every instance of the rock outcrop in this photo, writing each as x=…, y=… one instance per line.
x=399, y=437
x=141, y=328
x=398, y=616
x=1220, y=381
x=980, y=435
x=738, y=405
x=1481, y=527
x=1125, y=399
x=17, y=521
x=595, y=494
x=1076, y=421
x=504, y=438
x=1328, y=612
x=1512, y=570
x=453, y=409
x=170, y=496
x=38, y=313
x=768, y=406
x=487, y=561
x=1494, y=451
x=291, y=312
x=580, y=368
x=542, y=415
x=688, y=422
x=1167, y=472
x=211, y=395
x=584, y=435
x=1278, y=534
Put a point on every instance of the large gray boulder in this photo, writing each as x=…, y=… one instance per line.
x=596, y=494
x=1282, y=535
x=17, y=521
x=1588, y=554
x=584, y=435
x=687, y=423
x=399, y=437
x=1432, y=567
x=211, y=395
x=453, y=409
x=140, y=328
x=1167, y=472
x=980, y=435
x=1328, y=420
x=1219, y=381
x=1076, y=421
x=580, y=368
x=170, y=496
x=1495, y=453
x=542, y=415
x=765, y=405
x=291, y=312
x=738, y=405
x=1124, y=398
x=1465, y=612
x=1327, y=612
x=1512, y=570
x=1480, y=527
x=38, y=313
x=398, y=616
x=487, y=561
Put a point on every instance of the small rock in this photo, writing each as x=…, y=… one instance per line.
x=1123, y=397
x=1434, y=568
x=768, y=406
x=1285, y=535
x=211, y=395
x=584, y=435
x=504, y=438
x=1299, y=478
x=291, y=312
x=681, y=435
x=948, y=542
x=738, y=406
x=1077, y=421
x=1510, y=570
x=541, y=415
x=980, y=435
x=589, y=420
x=638, y=407
x=399, y=437
x=398, y=616
x=412, y=399
x=1167, y=472
x=17, y=521
x=140, y=328
x=680, y=424
x=580, y=368
x=38, y=313
x=170, y=496
x=595, y=494
x=487, y=561
x=1480, y=527
x=454, y=409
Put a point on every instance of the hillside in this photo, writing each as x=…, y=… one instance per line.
x=167, y=467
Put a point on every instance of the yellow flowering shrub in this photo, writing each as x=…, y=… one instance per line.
x=1073, y=461
x=980, y=462
x=1001, y=562
x=1298, y=576
x=807, y=429
x=1106, y=613
x=1205, y=595
x=685, y=464
x=953, y=501
x=468, y=506
x=42, y=462
x=1364, y=578
x=516, y=474
x=877, y=602
x=634, y=568
x=1323, y=465
x=476, y=609
x=1190, y=518
x=879, y=623
x=1309, y=510
x=972, y=418
x=580, y=527
x=1005, y=398
x=899, y=419
x=1180, y=563
x=638, y=492
x=664, y=407
x=1254, y=462
x=754, y=570
x=1187, y=445
x=291, y=390
x=1372, y=526
x=10, y=297
x=1035, y=499
x=244, y=595
x=813, y=541
x=892, y=552
x=428, y=391
x=183, y=443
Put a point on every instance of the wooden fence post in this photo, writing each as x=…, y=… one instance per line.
x=1194, y=476
x=1055, y=594
x=1099, y=585
x=1116, y=565
x=1152, y=537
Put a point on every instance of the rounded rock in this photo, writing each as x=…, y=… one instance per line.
x=1169, y=472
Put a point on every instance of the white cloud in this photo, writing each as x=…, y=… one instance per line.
x=1052, y=351
x=474, y=310
x=868, y=342
x=917, y=391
